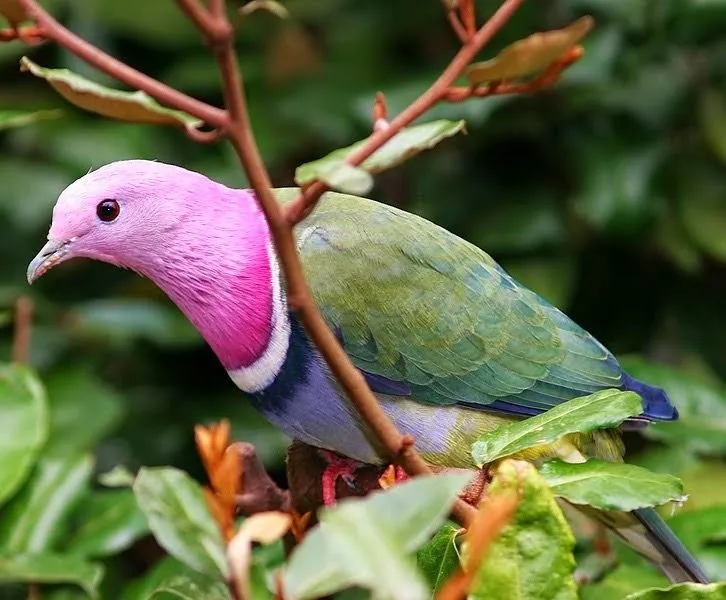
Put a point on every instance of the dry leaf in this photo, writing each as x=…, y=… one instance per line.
x=13, y=11
x=530, y=55
x=269, y=6
x=293, y=51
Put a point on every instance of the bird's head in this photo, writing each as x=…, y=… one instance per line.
x=126, y=213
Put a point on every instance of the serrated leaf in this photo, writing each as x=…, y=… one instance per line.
x=701, y=426
x=83, y=410
x=367, y=542
x=109, y=522
x=405, y=144
x=683, y=591
x=604, y=409
x=531, y=55
x=179, y=518
x=24, y=418
x=532, y=557
x=136, y=107
x=610, y=486
x=51, y=568
x=439, y=557
x=37, y=518
x=13, y=11
x=195, y=586
x=10, y=119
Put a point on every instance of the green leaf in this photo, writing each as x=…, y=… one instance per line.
x=118, y=476
x=532, y=557
x=109, y=522
x=51, y=568
x=405, y=144
x=136, y=107
x=624, y=580
x=10, y=119
x=439, y=558
x=83, y=410
x=124, y=321
x=179, y=518
x=683, y=591
x=712, y=121
x=165, y=569
x=604, y=409
x=701, y=426
x=192, y=587
x=611, y=486
x=24, y=418
x=346, y=178
x=367, y=542
x=703, y=531
x=36, y=519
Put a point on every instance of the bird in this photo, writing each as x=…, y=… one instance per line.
x=451, y=345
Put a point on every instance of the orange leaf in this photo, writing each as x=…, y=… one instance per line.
x=530, y=55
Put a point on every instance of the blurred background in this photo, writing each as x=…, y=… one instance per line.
x=607, y=195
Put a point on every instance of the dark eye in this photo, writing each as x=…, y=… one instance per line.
x=108, y=210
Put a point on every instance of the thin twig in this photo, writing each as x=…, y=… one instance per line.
x=95, y=57
x=457, y=26
x=298, y=209
x=23, y=323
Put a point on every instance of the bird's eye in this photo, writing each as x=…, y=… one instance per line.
x=108, y=210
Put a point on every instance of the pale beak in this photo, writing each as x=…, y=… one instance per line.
x=49, y=255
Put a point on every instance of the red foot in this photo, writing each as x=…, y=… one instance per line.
x=338, y=466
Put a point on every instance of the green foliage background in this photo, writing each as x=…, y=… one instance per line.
x=607, y=195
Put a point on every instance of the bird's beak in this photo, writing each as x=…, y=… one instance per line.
x=50, y=254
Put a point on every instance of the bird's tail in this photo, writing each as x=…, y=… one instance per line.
x=648, y=534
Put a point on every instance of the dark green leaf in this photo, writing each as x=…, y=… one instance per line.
x=83, y=410
x=165, y=569
x=405, y=144
x=109, y=522
x=192, y=587
x=51, y=568
x=439, y=558
x=701, y=426
x=24, y=418
x=532, y=557
x=19, y=118
x=712, y=117
x=604, y=409
x=36, y=519
x=683, y=591
x=611, y=486
x=179, y=518
x=367, y=542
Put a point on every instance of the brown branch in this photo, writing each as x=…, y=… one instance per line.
x=23, y=323
x=301, y=206
x=95, y=57
x=457, y=26
x=221, y=38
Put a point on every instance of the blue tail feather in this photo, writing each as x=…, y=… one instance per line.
x=656, y=404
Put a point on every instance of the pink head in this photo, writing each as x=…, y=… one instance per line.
x=204, y=244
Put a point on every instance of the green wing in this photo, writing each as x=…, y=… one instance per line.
x=417, y=305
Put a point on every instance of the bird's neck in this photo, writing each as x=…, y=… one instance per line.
x=226, y=280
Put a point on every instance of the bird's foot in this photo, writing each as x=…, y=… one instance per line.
x=338, y=467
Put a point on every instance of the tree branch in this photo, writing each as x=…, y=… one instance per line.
x=298, y=209
x=23, y=324
x=95, y=57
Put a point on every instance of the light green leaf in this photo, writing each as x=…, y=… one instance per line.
x=367, y=542
x=136, y=107
x=192, y=587
x=109, y=522
x=83, y=410
x=683, y=591
x=407, y=143
x=179, y=518
x=51, y=568
x=611, y=486
x=119, y=476
x=24, y=418
x=10, y=119
x=604, y=409
x=532, y=557
x=712, y=121
x=37, y=518
x=439, y=558
x=345, y=178
x=701, y=426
